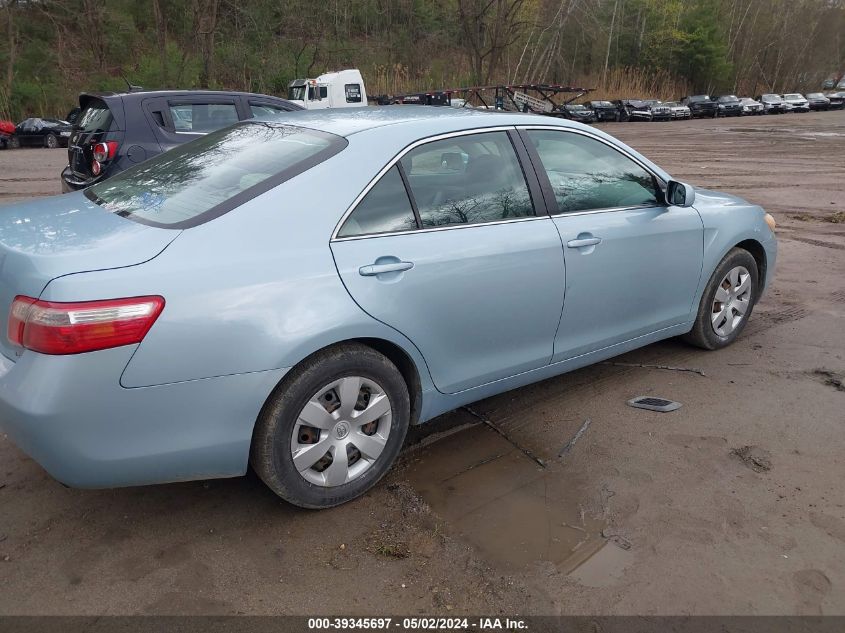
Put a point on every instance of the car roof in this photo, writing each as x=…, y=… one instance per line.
x=143, y=94
x=348, y=121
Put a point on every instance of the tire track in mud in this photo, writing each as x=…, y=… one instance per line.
x=762, y=321
x=809, y=240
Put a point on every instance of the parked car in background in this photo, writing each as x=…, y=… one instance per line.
x=578, y=112
x=632, y=110
x=728, y=105
x=837, y=100
x=114, y=131
x=818, y=101
x=7, y=130
x=772, y=103
x=750, y=106
x=700, y=105
x=604, y=110
x=659, y=110
x=678, y=111
x=796, y=102
x=38, y=132
x=190, y=321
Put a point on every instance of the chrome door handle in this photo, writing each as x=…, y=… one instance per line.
x=378, y=269
x=587, y=241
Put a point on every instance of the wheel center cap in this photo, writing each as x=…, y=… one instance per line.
x=341, y=430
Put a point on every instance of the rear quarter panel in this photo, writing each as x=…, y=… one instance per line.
x=253, y=290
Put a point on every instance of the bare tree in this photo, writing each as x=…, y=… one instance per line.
x=489, y=28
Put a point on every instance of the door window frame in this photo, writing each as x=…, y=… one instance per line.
x=546, y=185
x=538, y=201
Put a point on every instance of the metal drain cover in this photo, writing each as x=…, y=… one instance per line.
x=652, y=403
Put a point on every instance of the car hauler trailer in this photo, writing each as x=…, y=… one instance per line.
x=536, y=98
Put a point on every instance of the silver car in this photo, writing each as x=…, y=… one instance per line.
x=295, y=294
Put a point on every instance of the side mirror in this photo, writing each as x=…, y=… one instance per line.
x=679, y=194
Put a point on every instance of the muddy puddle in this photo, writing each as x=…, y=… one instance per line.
x=514, y=512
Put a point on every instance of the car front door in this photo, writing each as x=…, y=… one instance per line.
x=632, y=262
x=452, y=247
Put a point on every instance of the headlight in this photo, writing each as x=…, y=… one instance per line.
x=770, y=220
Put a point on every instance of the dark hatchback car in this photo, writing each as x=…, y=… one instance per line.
x=36, y=132
x=604, y=110
x=114, y=131
x=700, y=106
x=578, y=113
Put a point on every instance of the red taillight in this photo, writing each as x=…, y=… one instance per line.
x=72, y=328
x=96, y=168
x=104, y=151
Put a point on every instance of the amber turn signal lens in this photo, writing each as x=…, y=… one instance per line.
x=770, y=220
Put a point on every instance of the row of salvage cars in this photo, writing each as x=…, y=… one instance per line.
x=700, y=106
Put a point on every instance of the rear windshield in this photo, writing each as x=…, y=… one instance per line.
x=210, y=176
x=95, y=117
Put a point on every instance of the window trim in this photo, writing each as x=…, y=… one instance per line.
x=540, y=206
x=546, y=185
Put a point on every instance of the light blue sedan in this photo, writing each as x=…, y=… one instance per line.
x=295, y=294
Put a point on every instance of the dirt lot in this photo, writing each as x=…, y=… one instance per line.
x=732, y=504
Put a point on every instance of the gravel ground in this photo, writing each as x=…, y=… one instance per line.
x=730, y=505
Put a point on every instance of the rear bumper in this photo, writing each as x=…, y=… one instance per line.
x=70, y=414
x=70, y=182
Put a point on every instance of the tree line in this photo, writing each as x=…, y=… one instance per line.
x=53, y=49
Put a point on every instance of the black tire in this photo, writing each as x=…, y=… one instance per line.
x=51, y=141
x=270, y=455
x=13, y=143
x=702, y=334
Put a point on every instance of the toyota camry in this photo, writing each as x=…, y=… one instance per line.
x=293, y=295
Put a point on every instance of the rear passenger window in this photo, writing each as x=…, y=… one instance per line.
x=467, y=180
x=385, y=209
x=202, y=117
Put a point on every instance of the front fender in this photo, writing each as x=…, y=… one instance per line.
x=729, y=221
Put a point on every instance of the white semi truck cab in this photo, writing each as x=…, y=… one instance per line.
x=341, y=89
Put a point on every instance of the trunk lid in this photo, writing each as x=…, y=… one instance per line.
x=66, y=234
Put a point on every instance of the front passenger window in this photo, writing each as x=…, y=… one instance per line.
x=467, y=180
x=586, y=174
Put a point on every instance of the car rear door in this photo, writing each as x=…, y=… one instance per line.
x=633, y=263
x=452, y=247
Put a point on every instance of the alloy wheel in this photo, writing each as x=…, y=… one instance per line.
x=732, y=301
x=341, y=431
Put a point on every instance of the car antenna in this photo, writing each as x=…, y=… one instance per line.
x=131, y=87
